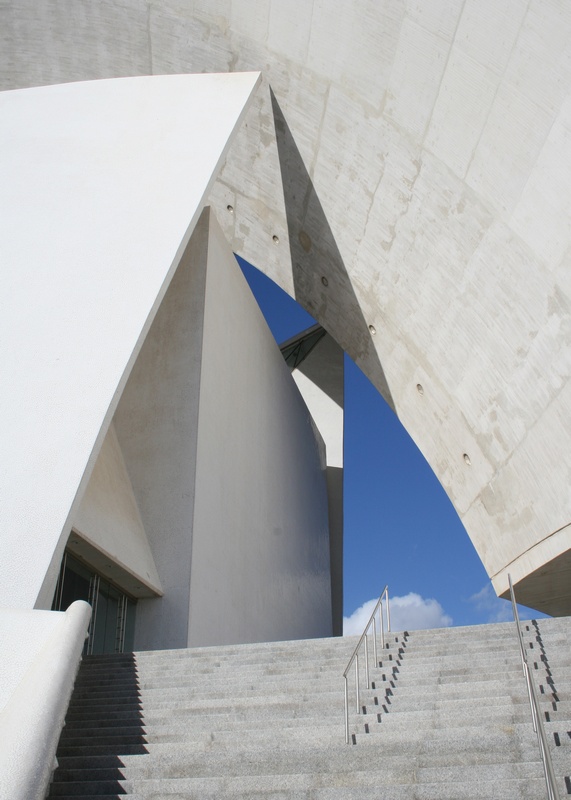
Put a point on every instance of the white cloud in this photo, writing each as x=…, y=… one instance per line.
x=410, y=612
x=496, y=609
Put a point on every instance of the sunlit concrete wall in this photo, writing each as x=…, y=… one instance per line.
x=260, y=567
x=226, y=468
x=425, y=152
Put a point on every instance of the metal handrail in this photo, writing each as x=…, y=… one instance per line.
x=355, y=656
x=536, y=719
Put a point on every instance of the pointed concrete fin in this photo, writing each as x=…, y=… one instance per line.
x=102, y=183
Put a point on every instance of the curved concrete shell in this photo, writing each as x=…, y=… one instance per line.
x=405, y=173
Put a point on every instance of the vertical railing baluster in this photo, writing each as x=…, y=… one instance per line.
x=386, y=592
x=355, y=656
x=346, y=710
x=536, y=719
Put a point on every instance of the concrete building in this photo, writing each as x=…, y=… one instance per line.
x=401, y=169
x=173, y=459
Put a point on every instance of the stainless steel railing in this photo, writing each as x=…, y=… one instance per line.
x=355, y=657
x=536, y=719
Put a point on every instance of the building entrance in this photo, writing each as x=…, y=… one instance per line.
x=113, y=612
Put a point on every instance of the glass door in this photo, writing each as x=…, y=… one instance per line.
x=113, y=612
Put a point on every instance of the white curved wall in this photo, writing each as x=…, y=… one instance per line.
x=426, y=156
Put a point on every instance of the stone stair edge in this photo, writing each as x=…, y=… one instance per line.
x=469, y=630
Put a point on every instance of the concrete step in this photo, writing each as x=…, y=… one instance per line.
x=314, y=768
x=284, y=738
x=500, y=750
x=273, y=713
x=499, y=739
x=438, y=685
x=360, y=785
x=266, y=721
x=340, y=651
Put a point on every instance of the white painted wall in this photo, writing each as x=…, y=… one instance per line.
x=23, y=634
x=319, y=378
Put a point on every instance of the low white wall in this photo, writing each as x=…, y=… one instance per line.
x=41, y=651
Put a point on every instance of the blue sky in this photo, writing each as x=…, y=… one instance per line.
x=400, y=527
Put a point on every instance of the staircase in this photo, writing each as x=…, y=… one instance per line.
x=447, y=718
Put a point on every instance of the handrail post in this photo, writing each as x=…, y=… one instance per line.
x=346, y=710
x=364, y=638
x=537, y=722
x=388, y=610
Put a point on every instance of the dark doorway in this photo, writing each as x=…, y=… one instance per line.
x=113, y=612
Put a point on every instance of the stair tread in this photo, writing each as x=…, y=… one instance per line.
x=248, y=722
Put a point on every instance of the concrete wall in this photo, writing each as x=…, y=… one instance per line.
x=108, y=531
x=320, y=379
x=225, y=467
x=157, y=426
x=423, y=218
x=103, y=183
x=41, y=651
x=162, y=424
x=260, y=540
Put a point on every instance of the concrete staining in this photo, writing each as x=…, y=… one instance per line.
x=425, y=154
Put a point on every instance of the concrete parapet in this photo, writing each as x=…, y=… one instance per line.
x=33, y=715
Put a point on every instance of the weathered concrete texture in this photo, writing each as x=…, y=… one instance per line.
x=425, y=152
